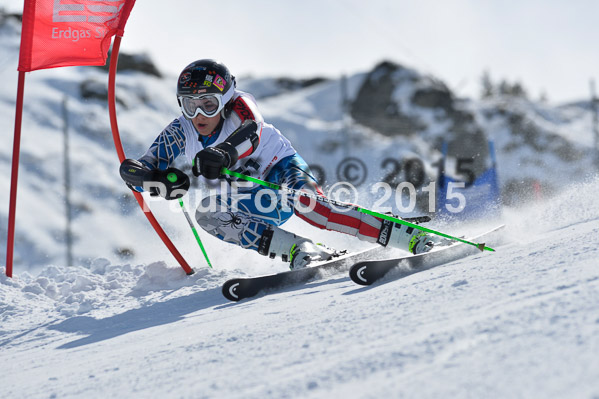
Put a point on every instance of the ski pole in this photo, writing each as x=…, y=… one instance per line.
x=195, y=232
x=173, y=178
x=480, y=246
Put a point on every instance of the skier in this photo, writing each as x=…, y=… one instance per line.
x=221, y=126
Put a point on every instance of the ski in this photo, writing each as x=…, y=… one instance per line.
x=240, y=288
x=368, y=272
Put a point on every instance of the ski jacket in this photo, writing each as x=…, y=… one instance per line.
x=181, y=138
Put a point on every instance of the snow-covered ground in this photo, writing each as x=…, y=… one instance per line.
x=521, y=322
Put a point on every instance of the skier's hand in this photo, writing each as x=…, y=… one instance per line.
x=132, y=172
x=171, y=183
x=209, y=162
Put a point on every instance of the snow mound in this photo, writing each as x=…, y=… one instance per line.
x=577, y=204
x=101, y=290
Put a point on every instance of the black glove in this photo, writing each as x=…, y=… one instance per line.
x=210, y=161
x=171, y=183
x=132, y=172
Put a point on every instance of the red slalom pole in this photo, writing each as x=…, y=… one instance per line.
x=14, y=177
x=121, y=154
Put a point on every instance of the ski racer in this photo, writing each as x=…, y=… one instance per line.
x=221, y=126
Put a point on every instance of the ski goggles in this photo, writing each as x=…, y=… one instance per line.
x=205, y=104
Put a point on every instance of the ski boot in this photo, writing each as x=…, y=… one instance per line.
x=305, y=252
x=297, y=250
x=405, y=237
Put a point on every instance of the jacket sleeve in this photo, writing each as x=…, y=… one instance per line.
x=241, y=143
x=244, y=108
x=169, y=144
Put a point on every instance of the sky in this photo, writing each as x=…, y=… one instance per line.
x=548, y=46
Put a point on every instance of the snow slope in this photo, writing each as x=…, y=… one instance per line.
x=521, y=322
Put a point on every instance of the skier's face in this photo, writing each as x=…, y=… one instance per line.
x=204, y=125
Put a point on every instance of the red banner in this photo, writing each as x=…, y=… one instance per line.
x=59, y=33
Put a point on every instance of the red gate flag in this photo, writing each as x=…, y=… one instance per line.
x=59, y=33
